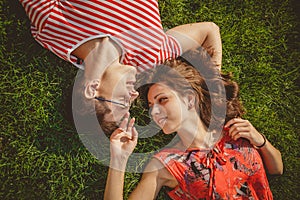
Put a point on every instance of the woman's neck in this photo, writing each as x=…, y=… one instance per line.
x=194, y=134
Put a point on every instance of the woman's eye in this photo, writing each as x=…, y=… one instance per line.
x=163, y=99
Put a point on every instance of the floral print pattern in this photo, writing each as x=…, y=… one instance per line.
x=231, y=170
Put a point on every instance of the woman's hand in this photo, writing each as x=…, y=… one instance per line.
x=243, y=128
x=271, y=156
x=122, y=143
x=124, y=139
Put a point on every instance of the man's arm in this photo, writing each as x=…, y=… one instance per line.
x=205, y=34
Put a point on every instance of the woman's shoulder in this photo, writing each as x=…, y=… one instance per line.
x=168, y=152
x=156, y=169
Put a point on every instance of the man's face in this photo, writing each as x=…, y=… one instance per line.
x=117, y=88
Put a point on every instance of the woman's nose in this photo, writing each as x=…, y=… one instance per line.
x=154, y=110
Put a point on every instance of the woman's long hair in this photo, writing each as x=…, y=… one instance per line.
x=194, y=72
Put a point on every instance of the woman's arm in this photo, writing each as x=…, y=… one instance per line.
x=271, y=156
x=114, y=185
x=154, y=177
x=205, y=34
x=122, y=143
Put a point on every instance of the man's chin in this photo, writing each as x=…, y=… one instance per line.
x=109, y=127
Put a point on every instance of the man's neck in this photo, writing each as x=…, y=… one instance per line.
x=98, y=54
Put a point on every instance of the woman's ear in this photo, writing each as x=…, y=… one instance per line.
x=191, y=98
x=90, y=90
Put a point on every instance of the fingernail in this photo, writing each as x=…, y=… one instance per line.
x=225, y=128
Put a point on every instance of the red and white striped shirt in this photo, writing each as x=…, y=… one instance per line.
x=63, y=25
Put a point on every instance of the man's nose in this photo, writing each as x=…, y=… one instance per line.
x=133, y=95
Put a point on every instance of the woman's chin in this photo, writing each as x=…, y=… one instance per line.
x=167, y=130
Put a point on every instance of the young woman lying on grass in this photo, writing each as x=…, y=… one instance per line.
x=205, y=163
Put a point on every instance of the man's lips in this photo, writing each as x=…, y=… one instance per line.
x=130, y=82
x=130, y=85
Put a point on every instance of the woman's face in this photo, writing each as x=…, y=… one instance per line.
x=167, y=109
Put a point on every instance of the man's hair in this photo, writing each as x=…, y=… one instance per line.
x=102, y=110
x=84, y=108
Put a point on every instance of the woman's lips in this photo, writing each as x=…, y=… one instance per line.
x=162, y=121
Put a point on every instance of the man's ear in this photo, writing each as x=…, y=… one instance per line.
x=90, y=90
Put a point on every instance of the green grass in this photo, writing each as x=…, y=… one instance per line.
x=42, y=156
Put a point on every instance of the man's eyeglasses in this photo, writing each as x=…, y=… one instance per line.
x=125, y=104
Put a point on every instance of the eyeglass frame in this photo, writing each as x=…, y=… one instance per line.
x=115, y=102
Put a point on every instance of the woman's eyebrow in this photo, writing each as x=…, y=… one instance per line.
x=157, y=95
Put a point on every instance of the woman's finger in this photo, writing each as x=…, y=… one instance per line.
x=233, y=121
x=238, y=129
x=116, y=132
x=240, y=135
x=239, y=125
x=124, y=122
x=130, y=125
x=134, y=134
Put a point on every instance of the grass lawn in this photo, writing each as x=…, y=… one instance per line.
x=42, y=156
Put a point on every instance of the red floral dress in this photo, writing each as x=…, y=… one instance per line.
x=231, y=170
